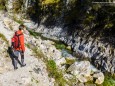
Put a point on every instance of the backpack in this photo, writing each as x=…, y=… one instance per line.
x=16, y=40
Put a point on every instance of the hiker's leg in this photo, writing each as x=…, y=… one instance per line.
x=16, y=55
x=22, y=58
x=15, y=62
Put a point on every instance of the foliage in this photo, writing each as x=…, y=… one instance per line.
x=109, y=80
x=108, y=25
x=3, y=4
x=18, y=20
x=17, y=6
x=103, y=21
x=51, y=65
x=47, y=2
x=35, y=34
x=3, y=37
x=60, y=46
x=55, y=73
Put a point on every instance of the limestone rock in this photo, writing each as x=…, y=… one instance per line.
x=99, y=77
x=82, y=68
x=82, y=79
x=83, y=71
x=60, y=61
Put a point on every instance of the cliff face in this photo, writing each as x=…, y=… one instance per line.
x=101, y=54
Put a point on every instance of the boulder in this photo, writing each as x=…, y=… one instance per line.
x=80, y=68
x=99, y=76
x=84, y=72
x=61, y=61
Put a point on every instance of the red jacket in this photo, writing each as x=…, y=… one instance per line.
x=21, y=38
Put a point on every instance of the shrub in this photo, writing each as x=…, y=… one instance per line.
x=17, y=6
x=3, y=4
x=55, y=73
x=51, y=65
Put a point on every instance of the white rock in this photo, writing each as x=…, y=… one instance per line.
x=60, y=61
x=81, y=69
x=93, y=69
x=99, y=78
x=81, y=78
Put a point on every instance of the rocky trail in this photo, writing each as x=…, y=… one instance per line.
x=33, y=74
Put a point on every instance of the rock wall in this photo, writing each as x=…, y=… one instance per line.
x=101, y=54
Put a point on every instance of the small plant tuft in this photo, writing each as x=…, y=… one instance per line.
x=3, y=37
x=55, y=73
x=109, y=80
x=18, y=20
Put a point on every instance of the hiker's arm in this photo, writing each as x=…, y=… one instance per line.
x=22, y=43
x=23, y=47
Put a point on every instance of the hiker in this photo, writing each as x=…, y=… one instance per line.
x=18, y=47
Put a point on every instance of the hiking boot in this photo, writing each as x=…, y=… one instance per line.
x=23, y=65
x=15, y=68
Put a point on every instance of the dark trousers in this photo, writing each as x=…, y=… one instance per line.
x=16, y=56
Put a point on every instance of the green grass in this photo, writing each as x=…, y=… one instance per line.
x=35, y=34
x=51, y=65
x=109, y=80
x=60, y=46
x=55, y=73
x=27, y=45
x=3, y=37
x=38, y=52
x=18, y=20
